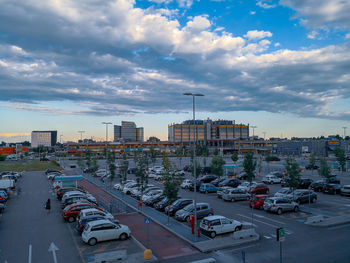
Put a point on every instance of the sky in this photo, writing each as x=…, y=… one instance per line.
x=69, y=65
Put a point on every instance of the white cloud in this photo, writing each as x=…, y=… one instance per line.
x=185, y=3
x=265, y=5
x=252, y=12
x=313, y=34
x=255, y=34
x=347, y=36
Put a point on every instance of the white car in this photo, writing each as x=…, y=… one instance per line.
x=271, y=179
x=152, y=175
x=101, y=172
x=283, y=192
x=119, y=186
x=102, y=230
x=151, y=194
x=246, y=186
x=158, y=177
x=78, y=194
x=215, y=225
x=95, y=211
x=129, y=187
x=186, y=184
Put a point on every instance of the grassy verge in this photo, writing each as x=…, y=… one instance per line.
x=27, y=165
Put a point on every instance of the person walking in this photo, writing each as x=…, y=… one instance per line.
x=48, y=206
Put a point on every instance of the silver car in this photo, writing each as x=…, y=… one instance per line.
x=279, y=205
x=345, y=190
x=235, y=194
x=283, y=192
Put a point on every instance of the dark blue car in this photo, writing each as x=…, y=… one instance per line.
x=83, y=221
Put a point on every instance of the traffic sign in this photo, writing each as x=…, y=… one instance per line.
x=147, y=220
x=280, y=235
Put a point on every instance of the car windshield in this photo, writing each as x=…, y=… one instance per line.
x=283, y=191
x=205, y=222
x=245, y=184
x=268, y=201
x=189, y=208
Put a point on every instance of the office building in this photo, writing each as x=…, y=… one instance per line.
x=43, y=138
x=207, y=131
x=128, y=132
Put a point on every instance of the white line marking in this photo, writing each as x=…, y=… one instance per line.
x=337, y=227
x=273, y=235
x=75, y=243
x=30, y=254
x=267, y=237
x=276, y=221
x=274, y=226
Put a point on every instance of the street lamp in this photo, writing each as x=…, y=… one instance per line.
x=344, y=128
x=81, y=135
x=253, y=127
x=106, y=123
x=194, y=158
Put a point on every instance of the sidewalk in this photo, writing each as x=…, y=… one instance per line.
x=332, y=221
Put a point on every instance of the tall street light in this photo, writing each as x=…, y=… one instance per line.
x=344, y=128
x=194, y=158
x=81, y=135
x=106, y=123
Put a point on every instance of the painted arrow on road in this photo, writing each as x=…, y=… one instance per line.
x=53, y=249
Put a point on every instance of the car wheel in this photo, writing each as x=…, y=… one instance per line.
x=267, y=191
x=212, y=234
x=279, y=211
x=71, y=219
x=232, y=200
x=123, y=236
x=206, y=191
x=187, y=219
x=296, y=209
x=247, y=198
x=186, y=187
x=313, y=200
x=298, y=201
x=92, y=241
x=237, y=228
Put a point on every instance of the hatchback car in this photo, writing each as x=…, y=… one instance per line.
x=202, y=210
x=71, y=212
x=305, y=183
x=279, y=205
x=186, y=184
x=235, y=194
x=332, y=189
x=208, y=188
x=303, y=196
x=103, y=230
x=162, y=204
x=221, y=190
x=76, y=199
x=260, y=189
x=81, y=223
x=230, y=182
x=345, y=190
x=318, y=185
x=259, y=201
x=215, y=225
x=271, y=179
x=283, y=192
x=177, y=205
x=95, y=212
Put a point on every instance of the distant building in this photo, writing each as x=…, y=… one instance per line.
x=43, y=138
x=207, y=130
x=128, y=132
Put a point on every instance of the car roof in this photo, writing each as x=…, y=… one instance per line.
x=91, y=210
x=211, y=218
x=99, y=222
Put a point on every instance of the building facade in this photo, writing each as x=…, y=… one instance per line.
x=207, y=131
x=128, y=132
x=43, y=138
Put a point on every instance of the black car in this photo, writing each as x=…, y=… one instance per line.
x=88, y=170
x=217, y=181
x=198, y=185
x=303, y=196
x=311, y=167
x=230, y=182
x=318, y=185
x=243, y=176
x=51, y=171
x=187, y=168
x=208, y=178
x=177, y=205
x=153, y=200
x=206, y=170
x=305, y=183
x=2, y=208
x=332, y=189
x=332, y=180
x=162, y=204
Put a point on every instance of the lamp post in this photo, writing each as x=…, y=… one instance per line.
x=81, y=135
x=106, y=123
x=194, y=158
x=344, y=128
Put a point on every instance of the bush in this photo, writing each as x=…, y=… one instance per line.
x=2, y=158
x=272, y=158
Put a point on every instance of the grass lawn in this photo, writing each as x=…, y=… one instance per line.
x=27, y=165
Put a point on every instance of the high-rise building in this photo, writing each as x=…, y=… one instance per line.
x=207, y=130
x=128, y=132
x=43, y=138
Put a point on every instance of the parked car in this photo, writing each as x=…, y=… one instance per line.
x=217, y=181
x=345, y=190
x=2, y=208
x=259, y=189
x=119, y=186
x=279, y=205
x=51, y=171
x=283, y=192
x=198, y=185
x=102, y=230
x=81, y=223
x=145, y=192
x=76, y=199
x=318, y=185
x=332, y=189
x=332, y=180
x=154, y=199
x=271, y=179
x=277, y=174
x=179, y=172
x=305, y=183
x=206, y=170
x=208, y=188
x=96, y=211
x=215, y=225
x=221, y=190
x=235, y=194
x=131, y=170
x=258, y=201
x=187, y=168
x=230, y=182
x=129, y=187
x=62, y=191
x=202, y=210
x=311, y=167
x=303, y=196
x=77, y=193
x=71, y=212
x=151, y=194
x=177, y=205
x=246, y=185
x=186, y=184
x=207, y=178
x=162, y=204
x=243, y=176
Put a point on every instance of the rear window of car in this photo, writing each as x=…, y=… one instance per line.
x=347, y=187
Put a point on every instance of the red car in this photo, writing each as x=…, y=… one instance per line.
x=258, y=201
x=260, y=189
x=71, y=212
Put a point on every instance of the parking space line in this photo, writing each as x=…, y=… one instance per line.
x=276, y=221
x=267, y=237
x=75, y=243
x=102, y=248
x=256, y=220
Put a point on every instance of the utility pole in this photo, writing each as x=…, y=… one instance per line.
x=81, y=135
x=106, y=123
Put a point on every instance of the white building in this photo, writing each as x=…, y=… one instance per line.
x=43, y=138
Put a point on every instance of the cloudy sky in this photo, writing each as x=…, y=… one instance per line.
x=69, y=65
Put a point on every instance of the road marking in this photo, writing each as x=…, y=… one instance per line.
x=102, y=248
x=267, y=237
x=75, y=243
x=30, y=254
x=337, y=227
x=274, y=226
x=276, y=221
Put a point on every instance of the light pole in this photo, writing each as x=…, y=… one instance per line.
x=81, y=135
x=344, y=128
x=253, y=127
x=264, y=135
x=106, y=123
x=194, y=158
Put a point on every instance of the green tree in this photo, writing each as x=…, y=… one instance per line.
x=292, y=173
x=249, y=166
x=312, y=160
x=216, y=152
x=81, y=163
x=341, y=158
x=234, y=157
x=216, y=165
x=124, y=170
x=153, y=155
x=179, y=153
x=88, y=159
x=141, y=173
x=95, y=165
x=111, y=165
x=171, y=181
x=324, y=170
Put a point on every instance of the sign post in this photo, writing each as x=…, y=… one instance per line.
x=280, y=236
x=148, y=253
